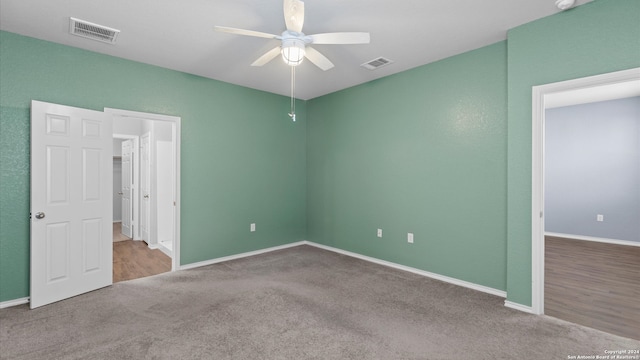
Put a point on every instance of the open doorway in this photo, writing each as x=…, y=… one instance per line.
x=146, y=194
x=133, y=258
x=72, y=206
x=548, y=269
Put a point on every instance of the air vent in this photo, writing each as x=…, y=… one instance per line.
x=376, y=63
x=92, y=31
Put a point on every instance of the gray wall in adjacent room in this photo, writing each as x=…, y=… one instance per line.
x=592, y=166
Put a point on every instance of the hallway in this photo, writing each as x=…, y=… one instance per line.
x=133, y=259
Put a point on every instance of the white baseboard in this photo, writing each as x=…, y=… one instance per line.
x=518, y=307
x=166, y=251
x=15, y=302
x=240, y=256
x=591, y=238
x=447, y=279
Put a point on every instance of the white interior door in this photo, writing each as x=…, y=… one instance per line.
x=71, y=205
x=145, y=187
x=165, y=193
x=127, y=182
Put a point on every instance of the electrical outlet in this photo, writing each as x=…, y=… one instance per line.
x=252, y=227
x=599, y=217
x=379, y=233
x=410, y=238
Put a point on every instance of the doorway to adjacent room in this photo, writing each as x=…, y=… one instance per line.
x=145, y=194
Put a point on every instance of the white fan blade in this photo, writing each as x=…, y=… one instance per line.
x=341, y=38
x=318, y=59
x=294, y=15
x=245, y=32
x=270, y=55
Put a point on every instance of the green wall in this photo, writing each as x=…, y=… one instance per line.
x=423, y=151
x=599, y=37
x=243, y=160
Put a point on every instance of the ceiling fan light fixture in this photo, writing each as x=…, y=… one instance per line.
x=565, y=4
x=292, y=51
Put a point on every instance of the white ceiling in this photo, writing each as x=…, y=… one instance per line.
x=179, y=34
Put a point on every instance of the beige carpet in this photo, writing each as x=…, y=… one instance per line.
x=299, y=303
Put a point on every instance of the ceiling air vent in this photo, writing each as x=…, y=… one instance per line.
x=376, y=63
x=92, y=31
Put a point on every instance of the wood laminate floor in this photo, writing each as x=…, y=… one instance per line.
x=593, y=284
x=134, y=259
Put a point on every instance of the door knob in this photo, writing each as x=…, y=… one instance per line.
x=146, y=196
x=120, y=192
x=39, y=215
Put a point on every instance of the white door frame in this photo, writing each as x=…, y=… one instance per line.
x=603, y=87
x=175, y=259
x=147, y=195
x=135, y=214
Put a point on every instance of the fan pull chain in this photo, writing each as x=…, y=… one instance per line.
x=292, y=114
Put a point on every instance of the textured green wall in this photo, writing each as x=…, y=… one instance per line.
x=243, y=160
x=599, y=37
x=423, y=151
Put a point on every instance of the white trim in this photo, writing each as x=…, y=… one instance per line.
x=177, y=121
x=140, y=115
x=594, y=94
x=166, y=251
x=594, y=239
x=447, y=279
x=537, y=202
x=147, y=168
x=541, y=94
x=14, y=302
x=240, y=256
x=519, y=307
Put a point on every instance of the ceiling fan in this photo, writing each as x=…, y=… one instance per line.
x=294, y=42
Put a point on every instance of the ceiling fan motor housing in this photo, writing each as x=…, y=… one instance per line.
x=293, y=48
